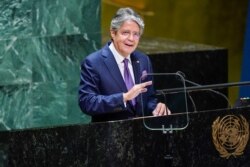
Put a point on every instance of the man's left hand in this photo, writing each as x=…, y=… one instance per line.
x=161, y=109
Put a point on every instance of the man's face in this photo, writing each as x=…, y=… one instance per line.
x=126, y=38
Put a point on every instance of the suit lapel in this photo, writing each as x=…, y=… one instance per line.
x=137, y=75
x=136, y=68
x=113, y=68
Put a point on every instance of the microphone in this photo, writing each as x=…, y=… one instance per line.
x=196, y=84
x=183, y=76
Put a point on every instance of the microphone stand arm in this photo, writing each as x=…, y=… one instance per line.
x=205, y=87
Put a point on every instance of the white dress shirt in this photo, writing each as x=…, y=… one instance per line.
x=119, y=60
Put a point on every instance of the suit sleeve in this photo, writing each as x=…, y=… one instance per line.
x=91, y=101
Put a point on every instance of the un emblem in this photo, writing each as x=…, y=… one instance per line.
x=230, y=135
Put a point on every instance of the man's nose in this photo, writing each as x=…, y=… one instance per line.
x=131, y=36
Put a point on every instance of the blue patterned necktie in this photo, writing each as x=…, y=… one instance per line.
x=127, y=78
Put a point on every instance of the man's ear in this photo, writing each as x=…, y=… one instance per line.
x=112, y=33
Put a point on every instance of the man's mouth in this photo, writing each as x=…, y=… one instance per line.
x=129, y=45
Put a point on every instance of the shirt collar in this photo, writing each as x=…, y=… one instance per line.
x=118, y=57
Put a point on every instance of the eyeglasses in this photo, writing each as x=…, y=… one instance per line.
x=136, y=35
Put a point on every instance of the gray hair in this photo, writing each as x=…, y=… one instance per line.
x=125, y=14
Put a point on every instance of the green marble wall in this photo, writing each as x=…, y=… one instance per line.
x=41, y=46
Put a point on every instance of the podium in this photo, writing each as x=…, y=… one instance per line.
x=129, y=143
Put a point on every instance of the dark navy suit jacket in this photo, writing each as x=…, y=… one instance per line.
x=102, y=86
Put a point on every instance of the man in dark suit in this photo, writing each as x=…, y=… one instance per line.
x=111, y=86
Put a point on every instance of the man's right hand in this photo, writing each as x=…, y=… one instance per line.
x=136, y=90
